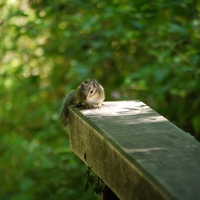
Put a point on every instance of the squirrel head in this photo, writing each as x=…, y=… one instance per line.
x=89, y=88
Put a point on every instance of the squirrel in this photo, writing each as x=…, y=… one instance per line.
x=89, y=94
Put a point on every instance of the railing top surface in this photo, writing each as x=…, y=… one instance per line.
x=157, y=148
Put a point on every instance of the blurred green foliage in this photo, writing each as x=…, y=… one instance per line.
x=147, y=50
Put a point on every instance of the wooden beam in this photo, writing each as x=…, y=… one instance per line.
x=138, y=153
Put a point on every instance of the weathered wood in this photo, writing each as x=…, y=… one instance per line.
x=138, y=153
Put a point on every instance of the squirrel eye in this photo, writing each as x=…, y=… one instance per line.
x=91, y=91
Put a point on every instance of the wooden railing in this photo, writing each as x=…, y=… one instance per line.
x=136, y=152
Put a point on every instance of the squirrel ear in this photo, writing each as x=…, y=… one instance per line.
x=95, y=83
x=85, y=82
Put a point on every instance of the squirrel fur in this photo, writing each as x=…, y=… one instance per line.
x=89, y=94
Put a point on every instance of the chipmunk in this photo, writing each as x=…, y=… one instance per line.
x=89, y=93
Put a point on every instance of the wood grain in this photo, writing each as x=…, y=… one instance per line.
x=138, y=153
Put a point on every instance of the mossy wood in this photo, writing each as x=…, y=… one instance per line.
x=138, y=153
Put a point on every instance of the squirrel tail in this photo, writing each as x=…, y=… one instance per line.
x=64, y=113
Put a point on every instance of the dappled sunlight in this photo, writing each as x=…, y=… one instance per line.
x=24, y=57
x=126, y=112
x=122, y=107
x=143, y=150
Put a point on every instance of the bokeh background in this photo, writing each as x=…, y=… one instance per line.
x=141, y=49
